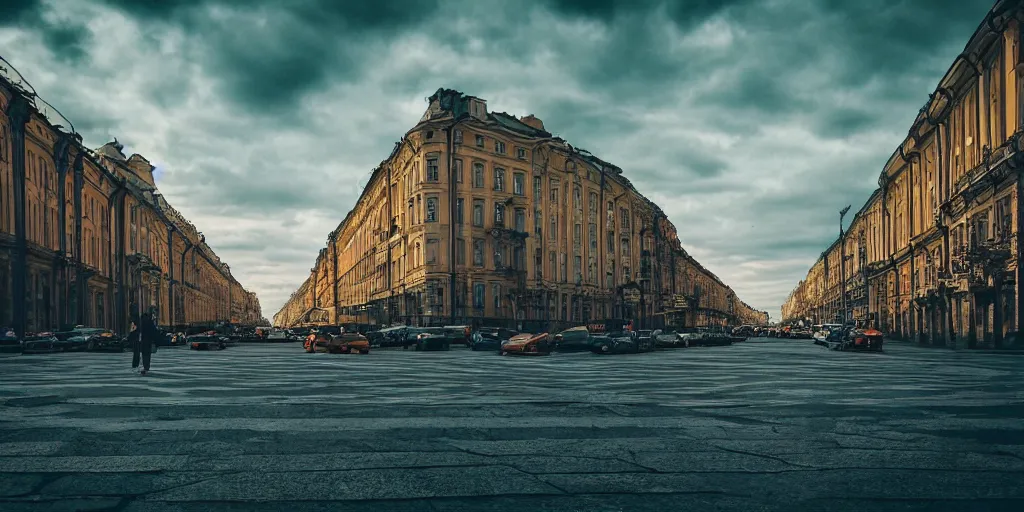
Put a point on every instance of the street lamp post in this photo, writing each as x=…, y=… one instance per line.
x=842, y=260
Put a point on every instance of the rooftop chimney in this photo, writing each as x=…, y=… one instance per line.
x=532, y=122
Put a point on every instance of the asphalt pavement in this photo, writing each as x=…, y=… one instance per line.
x=761, y=425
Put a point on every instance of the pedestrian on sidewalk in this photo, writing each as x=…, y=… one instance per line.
x=145, y=335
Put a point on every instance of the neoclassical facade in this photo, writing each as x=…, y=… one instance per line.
x=934, y=253
x=86, y=238
x=485, y=218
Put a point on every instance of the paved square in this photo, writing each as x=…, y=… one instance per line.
x=761, y=425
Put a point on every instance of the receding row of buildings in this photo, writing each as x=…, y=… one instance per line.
x=484, y=218
x=934, y=254
x=87, y=239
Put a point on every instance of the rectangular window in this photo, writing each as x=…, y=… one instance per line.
x=625, y=247
x=499, y=179
x=538, y=263
x=521, y=153
x=592, y=203
x=536, y=189
x=478, y=213
x=518, y=184
x=497, y=297
x=625, y=218
x=577, y=268
x=478, y=175
x=553, y=233
x=538, y=223
x=577, y=231
x=432, y=172
x=499, y=215
x=611, y=242
x=499, y=259
x=458, y=136
x=432, y=251
x=458, y=170
x=459, y=204
x=577, y=201
x=552, y=260
x=478, y=296
x=592, y=272
x=520, y=220
x=479, y=141
x=499, y=147
x=478, y=253
x=554, y=194
x=562, y=267
x=431, y=209
x=592, y=231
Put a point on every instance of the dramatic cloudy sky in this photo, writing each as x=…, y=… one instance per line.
x=751, y=122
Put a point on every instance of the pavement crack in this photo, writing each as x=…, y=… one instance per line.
x=763, y=456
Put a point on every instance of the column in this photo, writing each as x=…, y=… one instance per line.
x=18, y=113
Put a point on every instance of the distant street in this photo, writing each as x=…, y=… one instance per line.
x=762, y=425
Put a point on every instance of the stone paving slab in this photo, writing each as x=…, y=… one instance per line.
x=772, y=425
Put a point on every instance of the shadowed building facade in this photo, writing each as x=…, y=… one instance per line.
x=485, y=218
x=86, y=237
x=934, y=253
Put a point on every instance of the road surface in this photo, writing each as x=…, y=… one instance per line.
x=761, y=425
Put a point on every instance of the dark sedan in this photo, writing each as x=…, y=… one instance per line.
x=40, y=343
x=486, y=341
x=206, y=342
x=431, y=339
x=577, y=339
x=625, y=342
x=9, y=341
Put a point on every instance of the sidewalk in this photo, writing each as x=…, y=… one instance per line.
x=1014, y=350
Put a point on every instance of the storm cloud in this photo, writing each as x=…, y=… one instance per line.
x=751, y=122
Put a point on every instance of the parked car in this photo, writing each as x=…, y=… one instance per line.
x=576, y=339
x=9, y=341
x=623, y=342
x=206, y=342
x=667, y=339
x=40, y=343
x=106, y=341
x=347, y=343
x=430, y=339
x=394, y=336
x=868, y=340
x=458, y=334
x=645, y=341
x=527, y=344
x=485, y=341
x=315, y=339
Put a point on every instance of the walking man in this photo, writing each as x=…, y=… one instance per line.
x=145, y=335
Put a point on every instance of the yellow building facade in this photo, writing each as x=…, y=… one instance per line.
x=481, y=217
x=934, y=253
x=87, y=239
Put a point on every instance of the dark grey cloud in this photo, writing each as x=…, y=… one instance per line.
x=64, y=39
x=751, y=122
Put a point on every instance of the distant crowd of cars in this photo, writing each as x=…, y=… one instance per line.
x=500, y=340
x=91, y=339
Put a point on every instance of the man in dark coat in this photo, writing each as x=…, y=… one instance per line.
x=145, y=337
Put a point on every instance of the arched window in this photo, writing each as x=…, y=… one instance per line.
x=416, y=260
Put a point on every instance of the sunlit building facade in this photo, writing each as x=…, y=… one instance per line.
x=934, y=253
x=481, y=217
x=86, y=238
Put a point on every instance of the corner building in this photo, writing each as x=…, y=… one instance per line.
x=934, y=254
x=86, y=238
x=484, y=218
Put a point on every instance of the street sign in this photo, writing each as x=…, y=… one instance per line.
x=679, y=301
